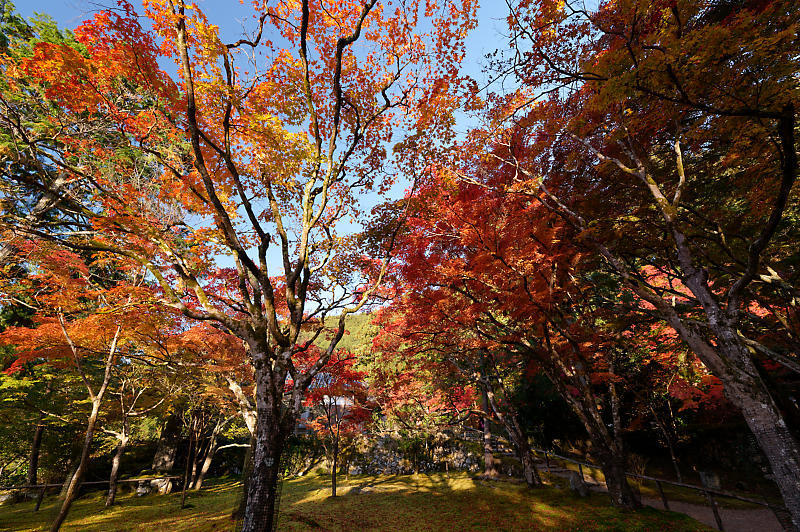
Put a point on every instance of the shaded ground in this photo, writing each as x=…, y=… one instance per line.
x=425, y=502
x=737, y=519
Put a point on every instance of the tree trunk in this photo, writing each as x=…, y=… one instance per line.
x=271, y=434
x=189, y=463
x=112, y=481
x=529, y=472
x=77, y=478
x=198, y=456
x=620, y=490
x=335, y=466
x=247, y=470
x=776, y=441
x=668, y=440
x=36, y=444
x=489, y=463
x=519, y=440
x=212, y=448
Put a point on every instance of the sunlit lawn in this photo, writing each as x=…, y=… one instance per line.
x=424, y=502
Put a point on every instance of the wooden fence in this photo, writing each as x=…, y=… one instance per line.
x=781, y=513
x=43, y=487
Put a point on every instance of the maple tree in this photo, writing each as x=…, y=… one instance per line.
x=265, y=143
x=340, y=407
x=137, y=390
x=85, y=321
x=496, y=305
x=654, y=164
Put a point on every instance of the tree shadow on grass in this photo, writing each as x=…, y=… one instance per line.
x=399, y=502
x=436, y=502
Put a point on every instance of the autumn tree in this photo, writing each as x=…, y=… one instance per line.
x=35, y=194
x=138, y=390
x=339, y=406
x=664, y=133
x=257, y=153
x=491, y=285
x=86, y=319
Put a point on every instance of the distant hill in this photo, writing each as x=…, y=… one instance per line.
x=358, y=336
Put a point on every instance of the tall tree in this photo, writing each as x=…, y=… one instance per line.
x=85, y=320
x=665, y=134
x=259, y=162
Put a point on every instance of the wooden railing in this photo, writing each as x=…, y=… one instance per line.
x=781, y=513
x=43, y=487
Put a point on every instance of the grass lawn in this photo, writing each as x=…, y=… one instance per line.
x=423, y=502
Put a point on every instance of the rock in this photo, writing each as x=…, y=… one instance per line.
x=710, y=479
x=142, y=488
x=162, y=486
x=577, y=485
x=9, y=497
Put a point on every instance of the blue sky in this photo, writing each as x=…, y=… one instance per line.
x=232, y=17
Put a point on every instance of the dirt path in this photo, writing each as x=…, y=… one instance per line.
x=734, y=520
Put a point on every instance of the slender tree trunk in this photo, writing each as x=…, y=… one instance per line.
x=489, y=463
x=619, y=489
x=189, y=463
x=36, y=444
x=112, y=481
x=77, y=478
x=520, y=442
x=199, y=454
x=529, y=472
x=668, y=440
x=335, y=466
x=212, y=449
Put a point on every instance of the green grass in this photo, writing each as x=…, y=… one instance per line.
x=423, y=502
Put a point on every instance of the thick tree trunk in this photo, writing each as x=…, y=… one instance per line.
x=36, y=444
x=77, y=478
x=619, y=489
x=262, y=489
x=271, y=433
x=776, y=441
x=112, y=480
x=247, y=470
x=489, y=463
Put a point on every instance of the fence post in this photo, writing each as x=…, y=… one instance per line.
x=547, y=462
x=663, y=495
x=713, y=505
x=39, y=498
x=580, y=468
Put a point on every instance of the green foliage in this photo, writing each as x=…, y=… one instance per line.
x=18, y=35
